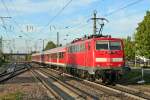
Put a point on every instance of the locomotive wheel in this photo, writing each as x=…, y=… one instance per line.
x=82, y=74
x=91, y=77
x=103, y=80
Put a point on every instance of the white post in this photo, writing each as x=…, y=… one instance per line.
x=142, y=80
x=142, y=73
x=135, y=60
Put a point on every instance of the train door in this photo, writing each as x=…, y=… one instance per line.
x=66, y=56
x=89, y=61
x=88, y=54
x=42, y=58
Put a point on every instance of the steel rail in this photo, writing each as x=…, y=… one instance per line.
x=46, y=86
x=100, y=86
x=79, y=92
x=12, y=74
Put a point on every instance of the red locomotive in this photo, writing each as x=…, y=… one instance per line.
x=91, y=57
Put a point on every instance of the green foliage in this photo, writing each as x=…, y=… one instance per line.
x=142, y=37
x=28, y=57
x=129, y=48
x=132, y=74
x=50, y=45
x=2, y=61
x=12, y=96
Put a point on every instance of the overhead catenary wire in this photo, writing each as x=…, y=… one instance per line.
x=57, y=14
x=15, y=22
x=5, y=6
x=18, y=25
x=3, y=22
x=122, y=8
x=7, y=10
x=60, y=11
x=5, y=28
x=111, y=13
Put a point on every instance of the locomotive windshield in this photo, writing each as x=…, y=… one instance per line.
x=115, y=45
x=101, y=45
x=108, y=45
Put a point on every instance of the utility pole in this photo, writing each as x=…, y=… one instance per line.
x=57, y=39
x=1, y=46
x=1, y=42
x=43, y=45
x=95, y=23
x=94, y=20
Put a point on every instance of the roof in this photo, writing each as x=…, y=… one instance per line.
x=54, y=50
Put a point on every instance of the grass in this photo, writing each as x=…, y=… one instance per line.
x=2, y=62
x=135, y=75
x=2, y=68
x=12, y=96
x=132, y=74
x=147, y=79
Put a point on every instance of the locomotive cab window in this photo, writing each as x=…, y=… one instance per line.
x=108, y=45
x=101, y=45
x=115, y=45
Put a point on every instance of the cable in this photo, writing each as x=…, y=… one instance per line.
x=3, y=2
x=61, y=10
x=5, y=28
x=3, y=22
x=7, y=10
x=124, y=7
x=57, y=14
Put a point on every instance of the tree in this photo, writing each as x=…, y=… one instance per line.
x=142, y=37
x=50, y=45
x=129, y=48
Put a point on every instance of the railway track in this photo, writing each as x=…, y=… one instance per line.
x=16, y=70
x=51, y=93
x=133, y=91
x=60, y=89
x=4, y=70
x=113, y=90
x=97, y=90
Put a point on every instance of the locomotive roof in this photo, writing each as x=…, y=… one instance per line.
x=93, y=38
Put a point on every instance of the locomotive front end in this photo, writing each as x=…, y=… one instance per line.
x=109, y=58
x=109, y=54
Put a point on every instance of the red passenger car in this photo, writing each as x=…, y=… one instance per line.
x=92, y=57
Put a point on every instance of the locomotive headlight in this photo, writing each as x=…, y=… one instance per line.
x=101, y=59
x=117, y=59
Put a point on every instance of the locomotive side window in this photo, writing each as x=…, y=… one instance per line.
x=73, y=48
x=83, y=47
x=101, y=45
x=115, y=46
x=70, y=49
x=76, y=48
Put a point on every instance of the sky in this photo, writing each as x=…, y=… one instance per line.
x=32, y=21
